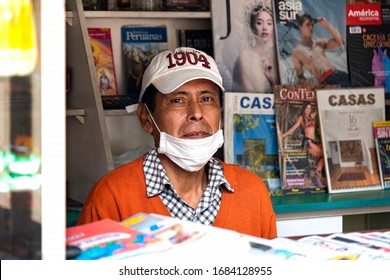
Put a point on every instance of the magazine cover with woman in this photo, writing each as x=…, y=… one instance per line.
x=300, y=150
x=244, y=45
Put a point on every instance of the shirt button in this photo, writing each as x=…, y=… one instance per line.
x=195, y=218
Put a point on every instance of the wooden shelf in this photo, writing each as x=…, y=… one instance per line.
x=79, y=114
x=75, y=112
x=142, y=14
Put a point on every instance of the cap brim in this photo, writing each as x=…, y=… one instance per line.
x=132, y=109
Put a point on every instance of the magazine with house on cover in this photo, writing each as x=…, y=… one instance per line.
x=101, y=46
x=368, y=35
x=139, y=45
x=346, y=117
x=244, y=45
x=250, y=136
x=382, y=145
x=300, y=150
x=311, y=41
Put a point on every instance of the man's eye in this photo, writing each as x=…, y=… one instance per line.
x=176, y=100
x=207, y=98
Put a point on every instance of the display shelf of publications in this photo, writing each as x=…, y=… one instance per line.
x=304, y=186
x=150, y=237
x=95, y=135
x=348, y=150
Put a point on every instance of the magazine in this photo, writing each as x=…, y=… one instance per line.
x=310, y=41
x=382, y=146
x=106, y=239
x=271, y=250
x=374, y=248
x=288, y=249
x=144, y=234
x=139, y=45
x=101, y=46
x=301, y=155
x=368, y=35
x=346, y=117
x=201, y=39
x=187, y=5
x=165, y=229
x=378, y=237
x=250, y=135
x=345, y=251
x=244, y=45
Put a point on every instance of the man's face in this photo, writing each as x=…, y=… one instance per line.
x=192, y=111
x=306, y=28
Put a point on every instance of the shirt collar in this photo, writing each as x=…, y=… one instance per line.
x=157, y=179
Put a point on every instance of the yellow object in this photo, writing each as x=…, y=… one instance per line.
x=18, y=43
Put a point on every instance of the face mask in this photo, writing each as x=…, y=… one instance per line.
x=189, y=154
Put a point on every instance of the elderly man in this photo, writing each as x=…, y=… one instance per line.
x=180, y=104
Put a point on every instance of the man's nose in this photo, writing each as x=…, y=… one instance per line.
x=195, y=111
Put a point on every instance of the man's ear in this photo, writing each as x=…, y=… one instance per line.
x=144, y=118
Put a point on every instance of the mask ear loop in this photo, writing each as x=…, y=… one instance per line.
x=150, y=114
x=219, y=124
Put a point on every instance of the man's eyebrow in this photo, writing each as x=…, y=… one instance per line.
x=179, y=92
x=205, y=90
x=211, y=90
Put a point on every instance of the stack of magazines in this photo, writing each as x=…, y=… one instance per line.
x=150, y=235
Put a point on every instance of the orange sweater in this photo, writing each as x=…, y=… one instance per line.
x=122, y=193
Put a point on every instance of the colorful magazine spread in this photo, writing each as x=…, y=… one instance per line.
x=164, y=229
x=143, y=234
x=106, y=239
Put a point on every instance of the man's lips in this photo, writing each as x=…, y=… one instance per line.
x=196, y=134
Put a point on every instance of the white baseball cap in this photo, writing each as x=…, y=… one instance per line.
x=169, y=70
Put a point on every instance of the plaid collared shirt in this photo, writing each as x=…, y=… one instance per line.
x=158, y=183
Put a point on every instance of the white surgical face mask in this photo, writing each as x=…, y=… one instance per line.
x=189, y=154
